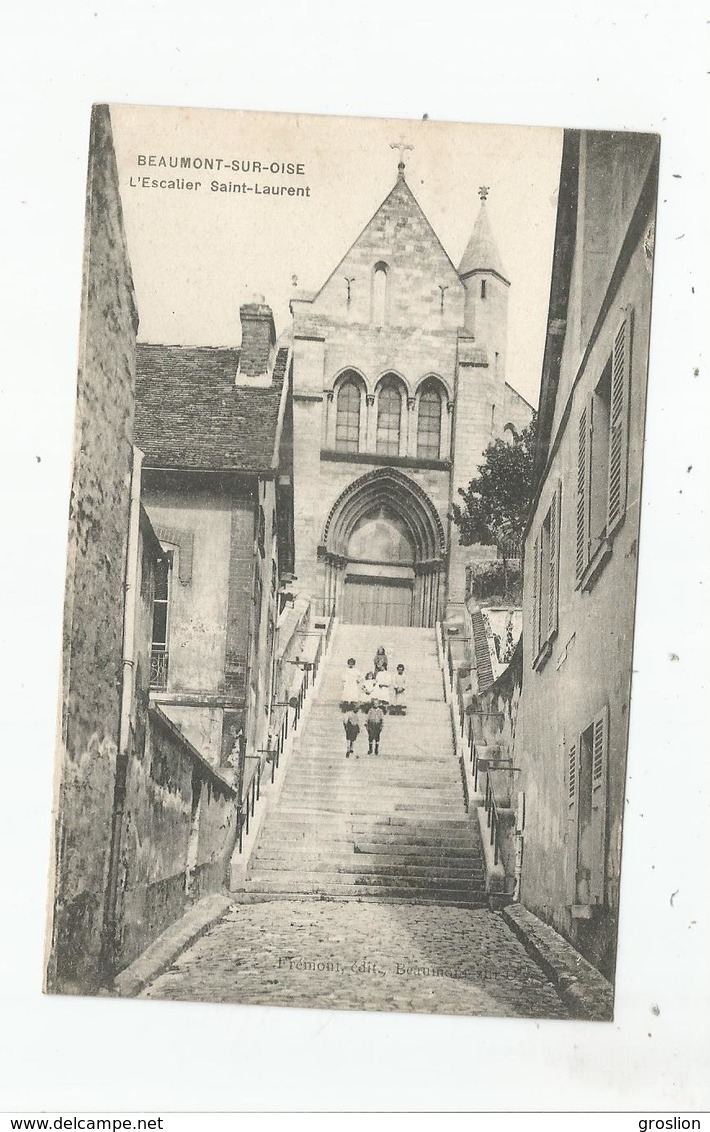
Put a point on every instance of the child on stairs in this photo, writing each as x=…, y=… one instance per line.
x=351, y=693
x=399, y=687
x=375, y=720
x=352, y=730
x=368, y=687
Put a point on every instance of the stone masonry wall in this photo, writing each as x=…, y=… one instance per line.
x=93, y=621
x=177, y=835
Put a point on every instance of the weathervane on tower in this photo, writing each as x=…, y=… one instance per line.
x=483, y=191
x=401, y=146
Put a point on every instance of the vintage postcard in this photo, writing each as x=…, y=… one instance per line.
x=352, y=563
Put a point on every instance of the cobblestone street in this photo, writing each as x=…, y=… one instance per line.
x=362, y=956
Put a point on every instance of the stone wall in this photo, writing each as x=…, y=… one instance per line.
x=96, y=569
x=495, y=711
x=177, y=837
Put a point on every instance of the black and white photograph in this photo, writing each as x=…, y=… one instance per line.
x=353, y=548
x=353, y=419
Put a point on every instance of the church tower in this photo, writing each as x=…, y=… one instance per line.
x=483, y=399
x=487, y=287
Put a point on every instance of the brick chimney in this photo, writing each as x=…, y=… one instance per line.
x=258, y=340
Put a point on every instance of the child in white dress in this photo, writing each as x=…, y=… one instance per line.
x=383, y=687
x=368, y=688
x=399, y=687
x=351, y=693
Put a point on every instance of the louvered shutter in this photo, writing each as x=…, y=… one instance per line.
x=582, y=521
x=600, y=760
x=535, y=636
x=572, y=821
x=619, y=422
x=553, y=566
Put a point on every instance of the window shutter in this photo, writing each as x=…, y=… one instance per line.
x=600, y=760
x=572, y=821
x=619, y=422
x=554, y=563
x=582, y=461
x=535, y=639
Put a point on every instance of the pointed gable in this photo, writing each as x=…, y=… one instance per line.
x=399, y=241
x=481, y=252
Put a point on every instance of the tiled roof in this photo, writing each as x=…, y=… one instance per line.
x=190, y=414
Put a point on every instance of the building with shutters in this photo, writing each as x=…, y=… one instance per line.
x=399, y=384
x=581, y=547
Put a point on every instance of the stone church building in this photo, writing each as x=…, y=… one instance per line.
x=399, y=384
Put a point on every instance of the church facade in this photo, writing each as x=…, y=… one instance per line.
x=399, y=384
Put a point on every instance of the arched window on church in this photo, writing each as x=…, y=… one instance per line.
x=379, y=294
x=347, y=418
x=389, y=418
x=429, y=424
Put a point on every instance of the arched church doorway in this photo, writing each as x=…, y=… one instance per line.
x=384, y=553
x=379, y=573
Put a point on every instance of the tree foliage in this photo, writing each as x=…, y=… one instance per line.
x=495, y=503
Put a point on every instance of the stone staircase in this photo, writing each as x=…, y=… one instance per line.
x=392, y=827
x=484, y=668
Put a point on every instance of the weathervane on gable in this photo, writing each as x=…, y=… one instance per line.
x=402, y=147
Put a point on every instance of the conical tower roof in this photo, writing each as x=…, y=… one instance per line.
x=482, y=251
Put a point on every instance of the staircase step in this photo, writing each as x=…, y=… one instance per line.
x=289, y=882
x=421, y=795
x=322, y=882
x=387, y=827
x=369, y=842
x=362, y=863
x=426, y=764
x=357, y=810
x=391, y=776
x=466, y=855
x=477, y=899
x=376, y=823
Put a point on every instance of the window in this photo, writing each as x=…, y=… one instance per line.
x=379, y=294
x=429, y=425
x=483, y=288
x=599, y=413
x=601, y=460
x=587, y=761
x=161, y=603
x=389, y=416
x=546, y=572
x=347, y=419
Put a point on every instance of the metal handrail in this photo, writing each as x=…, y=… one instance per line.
x=492, y=818
x=494, y=807
x=466, y=728
x=287, y=722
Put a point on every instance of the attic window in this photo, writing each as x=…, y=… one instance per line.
x=483, y=288
x=379, y=294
